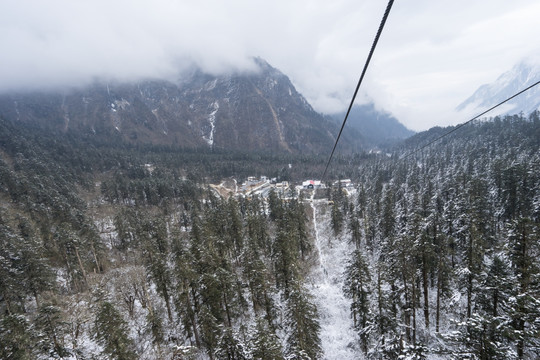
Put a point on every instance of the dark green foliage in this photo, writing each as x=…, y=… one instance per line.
x=16, y=338
x=291, y=244
x=355, y=229
x=52, y=329
x=303, y=325
x=209, y=330
x=126, y=223
x=340, y=207
x=72, y=250
x=112, y=333
x=337, y=218
x=447, y=258
x=230, y=347
x=357, y=288
x=452, y=230
x=155, y=327
x=23, y=268
x=152, y=235
x=265, y=344
x=275, y=206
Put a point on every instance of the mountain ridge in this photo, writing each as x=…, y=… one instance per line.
x=253, y=111
x=378, y=128
x=507, y=84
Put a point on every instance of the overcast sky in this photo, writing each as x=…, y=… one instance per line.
x=432, y=55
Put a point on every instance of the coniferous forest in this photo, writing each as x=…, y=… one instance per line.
x=117, y=251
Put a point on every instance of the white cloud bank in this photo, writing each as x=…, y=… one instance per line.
x=431, y=56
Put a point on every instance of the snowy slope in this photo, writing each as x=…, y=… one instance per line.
x=521, y=76
x=339, y=340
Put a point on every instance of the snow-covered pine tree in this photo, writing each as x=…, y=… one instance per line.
x=111, y=332
x=357, y=287
x=303, y=327
x=265, y=344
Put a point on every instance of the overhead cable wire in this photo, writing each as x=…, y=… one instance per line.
x=469, y=121
x=381, y=26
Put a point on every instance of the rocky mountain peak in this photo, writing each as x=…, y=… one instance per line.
x=250, y=111
x=507, y=84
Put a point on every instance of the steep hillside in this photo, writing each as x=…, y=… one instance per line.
x=125, y=251
x=257, y=111
x=446, y=261
x=377, y=128
x=519, y=77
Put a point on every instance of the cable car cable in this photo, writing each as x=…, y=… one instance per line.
x=467, y=122
x=381, y=26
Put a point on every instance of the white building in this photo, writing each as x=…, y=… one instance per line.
x=344, y=183
x=311, y=184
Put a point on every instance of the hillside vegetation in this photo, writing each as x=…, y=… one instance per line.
x=117, y=251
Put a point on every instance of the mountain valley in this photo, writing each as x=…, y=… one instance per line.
x=126, y=232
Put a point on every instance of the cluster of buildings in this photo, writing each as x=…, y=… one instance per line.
x=263, y=185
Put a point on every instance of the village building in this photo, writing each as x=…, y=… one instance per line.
x=312, y=184
x=344, y=183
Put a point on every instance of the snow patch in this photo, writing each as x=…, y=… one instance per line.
x=122, y=103
x=210, y=85
x=17, y=110
x=338, y=338
x=212, y=120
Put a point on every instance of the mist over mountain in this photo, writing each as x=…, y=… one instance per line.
x=135, y=251
x=250, y=111
x=518, y=78
x=378, y=128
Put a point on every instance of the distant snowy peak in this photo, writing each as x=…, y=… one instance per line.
x=518, y=78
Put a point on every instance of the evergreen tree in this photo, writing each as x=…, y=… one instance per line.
x=357, y=287
x=230, y=347
x=16, y=338
x=298, y=219
x=355, y=229
x=275, y=206
x=52, y=329
x=285, y=259
x=112, y=333
x=10, y=273
x=258, y=279
x=125, y=223
x=186, y=287
x=265, y=344
x=524, y=254
x=303, y=327
x=37, y=275
x=154, y=239
x=155, y=328
x=209, y=330
x=336, y=219
x=71, y=249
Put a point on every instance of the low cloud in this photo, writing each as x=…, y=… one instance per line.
x=431, y=56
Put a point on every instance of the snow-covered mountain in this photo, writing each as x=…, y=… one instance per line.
x=519, y=77
x=377, y=127
x=256, y=111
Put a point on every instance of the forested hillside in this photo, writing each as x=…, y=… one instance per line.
x=257, y=111
x=447, y=246
x=116, y=251
x=113, y=251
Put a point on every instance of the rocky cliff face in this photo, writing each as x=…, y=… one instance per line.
x=248, y=111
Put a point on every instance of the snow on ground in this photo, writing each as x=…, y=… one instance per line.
x=212, y=120
x=339, y=340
